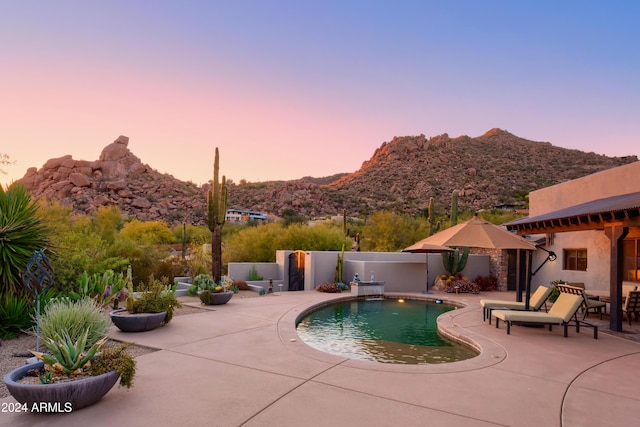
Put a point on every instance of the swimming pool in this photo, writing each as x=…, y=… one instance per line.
x=383, y=330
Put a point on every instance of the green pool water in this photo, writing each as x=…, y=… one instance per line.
x=386, y=330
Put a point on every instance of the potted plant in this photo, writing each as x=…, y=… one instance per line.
x=553, y=296
x=217, y=294
x=77, y=371
x=147, y=309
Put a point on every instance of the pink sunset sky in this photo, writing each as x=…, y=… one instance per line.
x=297, y=88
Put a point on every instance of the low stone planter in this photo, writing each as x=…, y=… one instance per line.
x=58, y=397
x=138, y=322
x=219, y=298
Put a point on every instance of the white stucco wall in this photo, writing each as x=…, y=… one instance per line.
x=598, y=253
x=401, y=271
x=608, y=183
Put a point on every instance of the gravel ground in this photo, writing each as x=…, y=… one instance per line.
x=15, y=352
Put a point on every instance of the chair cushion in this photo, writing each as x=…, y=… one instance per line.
x=512, y=305
x=566, y=306
x=527, y=316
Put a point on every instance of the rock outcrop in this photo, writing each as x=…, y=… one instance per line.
x=119, y=178
x=493, y=169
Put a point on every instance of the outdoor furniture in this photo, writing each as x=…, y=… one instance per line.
x=587, y=303
x=537, y=300
x=561, y=313
x=632, y=305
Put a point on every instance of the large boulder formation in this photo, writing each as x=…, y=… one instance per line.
x=119, y=178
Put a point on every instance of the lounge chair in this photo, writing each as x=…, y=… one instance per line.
x=537, y=300
x=587, y=303
x=561, y=313
x=632, y=305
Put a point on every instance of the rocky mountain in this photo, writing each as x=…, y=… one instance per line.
x=492, y=169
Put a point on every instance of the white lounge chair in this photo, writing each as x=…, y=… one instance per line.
x=562, y=312
x=537, y=300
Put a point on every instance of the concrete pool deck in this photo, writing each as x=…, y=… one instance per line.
x=242, y=364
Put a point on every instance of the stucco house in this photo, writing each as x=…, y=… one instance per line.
x=592, y=224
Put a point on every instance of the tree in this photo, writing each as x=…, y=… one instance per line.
x=4, y=160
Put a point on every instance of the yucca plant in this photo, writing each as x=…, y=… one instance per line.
x=15, y=314
x=21, y=233
x=74, y=318
x=67, y=356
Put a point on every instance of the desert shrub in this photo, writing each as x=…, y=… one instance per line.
x=155, y=297
x=148, y=232
x=253, y=275
x=116, y=358
x=331, y=288
x=74, y=318
x=387, y=231
x=486, y=283
x=460, y=284
x=241, y=285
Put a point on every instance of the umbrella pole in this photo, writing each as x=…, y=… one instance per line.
x=427, y=264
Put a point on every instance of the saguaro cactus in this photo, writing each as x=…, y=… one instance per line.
x=216, y=216
x=434, y=225
x=454, y=208
x=454, y=262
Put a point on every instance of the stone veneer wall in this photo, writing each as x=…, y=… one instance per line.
x=497, y=264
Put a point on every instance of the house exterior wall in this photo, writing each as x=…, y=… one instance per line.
x=611, y=182
x=597, y=276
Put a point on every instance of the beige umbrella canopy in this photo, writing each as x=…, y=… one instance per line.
x=478, y=233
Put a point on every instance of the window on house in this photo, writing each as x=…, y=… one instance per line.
x=631, y=260
x=575, y=259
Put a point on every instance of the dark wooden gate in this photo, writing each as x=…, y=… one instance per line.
x=296, y=271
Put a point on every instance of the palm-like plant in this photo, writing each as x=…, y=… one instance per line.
x=21, y=233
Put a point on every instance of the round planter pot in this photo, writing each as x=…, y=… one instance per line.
x=138, y=322
x=58, y=397
x=220, y=298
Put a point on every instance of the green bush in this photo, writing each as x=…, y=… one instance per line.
x=155, y=297
x=253, y=275
x=15, y=314
x=74, y=318
x=21, y=233
x=116, y=358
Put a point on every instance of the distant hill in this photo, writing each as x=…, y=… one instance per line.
x=492, y=169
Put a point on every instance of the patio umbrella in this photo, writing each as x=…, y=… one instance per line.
x=478, y=233
x=426, y=248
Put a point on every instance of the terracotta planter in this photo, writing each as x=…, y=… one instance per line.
x=219, y=298
x=138, y=322
x=58, y=397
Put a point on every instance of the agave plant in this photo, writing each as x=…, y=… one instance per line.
x=105, y=289
x=21, y=233
x=68, y=357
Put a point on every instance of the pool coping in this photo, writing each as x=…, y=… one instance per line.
x=490, y=353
